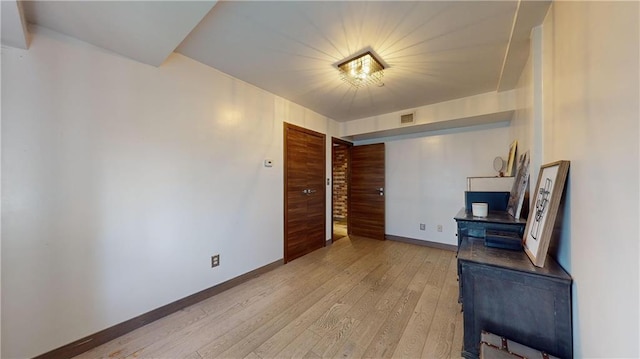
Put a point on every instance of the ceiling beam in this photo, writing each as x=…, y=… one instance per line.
x=503, y=116
x=14, y=26
x=145, y=31
x=529, y=14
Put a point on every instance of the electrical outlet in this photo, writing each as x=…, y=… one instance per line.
x=439, y=228
x=215, y=260
x=422, y=226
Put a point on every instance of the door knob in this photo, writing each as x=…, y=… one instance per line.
x=381, y=191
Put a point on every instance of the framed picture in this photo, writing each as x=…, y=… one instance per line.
x=519, y=188
x=512, y=159
x=542, y=217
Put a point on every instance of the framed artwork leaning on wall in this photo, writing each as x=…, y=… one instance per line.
x=511, y=161
x=520, y=186
x=542, y=216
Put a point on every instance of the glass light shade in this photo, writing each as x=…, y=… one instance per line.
x=362, y=70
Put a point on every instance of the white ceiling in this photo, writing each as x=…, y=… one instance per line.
x=146, y=31
x=435, y=50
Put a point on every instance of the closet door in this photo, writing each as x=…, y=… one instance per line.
x=304, y=202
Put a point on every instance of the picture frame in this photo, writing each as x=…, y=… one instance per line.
x=549, y=188
x=520, y=187
x=510, y=171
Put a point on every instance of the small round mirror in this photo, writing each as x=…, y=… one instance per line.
x=498, y=165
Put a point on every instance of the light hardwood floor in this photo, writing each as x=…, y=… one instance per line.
x=339, y=230
x=356, y=298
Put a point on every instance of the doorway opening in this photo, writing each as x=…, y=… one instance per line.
x=340, y=174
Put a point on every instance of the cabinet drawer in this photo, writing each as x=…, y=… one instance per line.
x=479, y=229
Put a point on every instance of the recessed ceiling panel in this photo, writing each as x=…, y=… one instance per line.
x=435, y=51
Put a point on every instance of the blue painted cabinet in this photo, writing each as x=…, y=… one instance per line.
x=502, y=292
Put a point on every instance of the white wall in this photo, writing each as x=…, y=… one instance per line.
x=426, y=176
x=120, y=180
x=426, y=172
x=522, y=122
x=526, y=126
x=0, y=219
x=592, y=120
x=590, y=91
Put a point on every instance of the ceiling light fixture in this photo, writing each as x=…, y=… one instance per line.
x=362, y=70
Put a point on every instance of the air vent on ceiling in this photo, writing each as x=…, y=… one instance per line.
x=406, y=119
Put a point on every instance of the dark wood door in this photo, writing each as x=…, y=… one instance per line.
x=304, y=207
x=366, y=205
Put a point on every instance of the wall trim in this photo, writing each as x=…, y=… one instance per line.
x=420, y=242
x=94, y=340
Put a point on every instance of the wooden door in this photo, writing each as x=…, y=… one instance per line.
x=304, y=202
x=366, y=205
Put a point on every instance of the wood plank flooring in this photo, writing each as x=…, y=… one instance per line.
x=356, y=298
